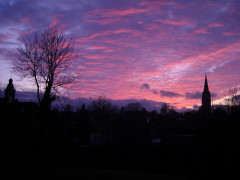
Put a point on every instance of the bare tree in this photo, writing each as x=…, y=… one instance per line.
x=101, y=104
x=46, y=59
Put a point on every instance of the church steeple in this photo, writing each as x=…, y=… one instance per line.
x=206, y=97
x=206, y=84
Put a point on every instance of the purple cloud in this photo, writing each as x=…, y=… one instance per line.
x=197, y=95
x=23, y=96
x=169, y=93
x=193, y=95
x=145, y=86
x=214, y=95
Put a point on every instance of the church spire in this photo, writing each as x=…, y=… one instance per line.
x=206, y=84
x=206, y=97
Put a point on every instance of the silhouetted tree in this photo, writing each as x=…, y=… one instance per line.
x=166, y=110
x=101, y=104
x=134, y=107
x=134, y=125
x=65, y=103
x=46, y=59
x=102, y=111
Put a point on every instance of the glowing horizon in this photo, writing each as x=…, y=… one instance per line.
x=154, y=50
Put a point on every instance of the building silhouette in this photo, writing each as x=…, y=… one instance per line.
x=10, y=92
x=206, y=97
x=9, y=102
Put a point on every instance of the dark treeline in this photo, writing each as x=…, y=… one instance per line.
x=104, y=136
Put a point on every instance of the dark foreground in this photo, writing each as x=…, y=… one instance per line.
x=70, y=173
x=128, y=144
x=112, y=163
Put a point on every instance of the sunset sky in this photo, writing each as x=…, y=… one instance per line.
x=134, y=49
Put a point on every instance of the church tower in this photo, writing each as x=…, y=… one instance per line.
x=10, y=92
x=206, y=97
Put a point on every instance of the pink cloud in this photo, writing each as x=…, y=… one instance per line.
x=94, y=35
x=57, y=22
x=202, y=30
x=109, y=13
x=206, y=29
x=4, y=36
x=215, y=24
x=230, y=33
x=108, y=50
x=89, y=56
x=182, y=22
x=96, y=47
x=92, y=63
x=21, y=32
x=119, y=31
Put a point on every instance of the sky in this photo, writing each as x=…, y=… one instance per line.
x=140, y=49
